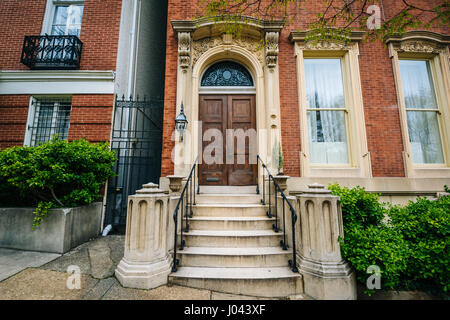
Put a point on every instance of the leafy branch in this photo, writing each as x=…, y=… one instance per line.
x=334, y=20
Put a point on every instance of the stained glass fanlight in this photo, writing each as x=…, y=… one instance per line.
x=227, y=74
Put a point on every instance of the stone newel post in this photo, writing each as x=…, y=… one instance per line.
x=146, y=263
x=326, y=275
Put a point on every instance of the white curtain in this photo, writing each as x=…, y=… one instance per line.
x=327, y=129
x=423, y=126
x=67, y=20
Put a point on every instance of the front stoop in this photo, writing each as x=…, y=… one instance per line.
x=232, y=248
x=261, y=282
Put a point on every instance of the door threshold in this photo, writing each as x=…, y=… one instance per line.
x=228, y=189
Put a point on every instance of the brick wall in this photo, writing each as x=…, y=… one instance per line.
x=90, y=118
x=13, y=119
x=177, y=10
x=377, y=80
x=99, y=31
x=100, y=34
x=15, y=25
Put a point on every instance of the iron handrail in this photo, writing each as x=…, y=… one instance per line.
x=187, y=200
x=294, y=216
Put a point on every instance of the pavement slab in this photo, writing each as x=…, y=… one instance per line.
x=39, y=284
x=117, y=292
x=13, y=261
x=100, y=289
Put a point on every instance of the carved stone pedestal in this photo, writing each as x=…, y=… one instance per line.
x=325, y=274
x=146, y=263
x=282, y=182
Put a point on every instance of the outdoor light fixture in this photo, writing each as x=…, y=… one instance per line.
x=181, y=121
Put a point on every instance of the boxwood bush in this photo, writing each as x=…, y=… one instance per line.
x=409, y=243
x=54, y=174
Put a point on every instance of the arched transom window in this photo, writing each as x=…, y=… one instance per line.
x=227, y=74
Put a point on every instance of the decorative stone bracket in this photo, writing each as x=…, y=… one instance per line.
x=191, y=31
x=271, y=45
x=184, y=50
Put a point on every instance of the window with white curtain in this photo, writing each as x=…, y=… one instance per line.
x=421, y=112
x=326, y=111
x=67, y=17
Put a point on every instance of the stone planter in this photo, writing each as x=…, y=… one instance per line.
x=62, y=230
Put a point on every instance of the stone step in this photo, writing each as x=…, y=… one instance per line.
x=234, y=257
x=228, y=189
x=232, y=238
x=259, y=282
x=216, y=198
x=230, y=210
x=231, y=223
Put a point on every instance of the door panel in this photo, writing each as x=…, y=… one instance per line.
x=213, y=114
x=222, y=112
x=241, y=115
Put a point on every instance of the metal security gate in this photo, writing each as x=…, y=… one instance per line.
x=137, y=141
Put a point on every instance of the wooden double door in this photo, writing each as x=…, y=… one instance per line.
x=220, y=113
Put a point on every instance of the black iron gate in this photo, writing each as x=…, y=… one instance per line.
x=137, y=141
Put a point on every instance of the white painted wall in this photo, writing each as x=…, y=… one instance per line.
x=148, y=72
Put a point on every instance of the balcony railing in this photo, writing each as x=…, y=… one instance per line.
x=51, y=52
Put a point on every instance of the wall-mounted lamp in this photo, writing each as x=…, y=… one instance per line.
x=181, y=121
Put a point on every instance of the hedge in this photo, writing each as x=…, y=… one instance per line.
x=409, y=243
x=54, y=174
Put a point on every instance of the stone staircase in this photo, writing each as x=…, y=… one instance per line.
x=232, y=248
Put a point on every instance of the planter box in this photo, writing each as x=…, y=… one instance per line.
x=61, y=231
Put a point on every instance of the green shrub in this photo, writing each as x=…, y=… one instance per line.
x=367, y=240
x=379, y=246
x=359, y=207
x=55, y=174
x=425, y=225
x=409, y=243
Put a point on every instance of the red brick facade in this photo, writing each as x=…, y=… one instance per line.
x=91, y=118
x=13, y=119
x=99, y=32
x=91, y=115
x=382, y=120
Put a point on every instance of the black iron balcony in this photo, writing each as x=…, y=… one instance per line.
x=51, y=52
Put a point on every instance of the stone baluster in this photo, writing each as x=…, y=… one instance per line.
x=325, y=274
x=146, y=263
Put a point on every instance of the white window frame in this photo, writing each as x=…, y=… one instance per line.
x=50, y=13
x=358, y=154
x=426, y=47
x=32, y=116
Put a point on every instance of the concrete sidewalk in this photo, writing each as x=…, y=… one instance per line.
x=43, y=276
x=13, y=261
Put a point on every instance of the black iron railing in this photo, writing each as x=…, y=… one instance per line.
x=186, y=201
x=51, y=52
x=272, y=209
